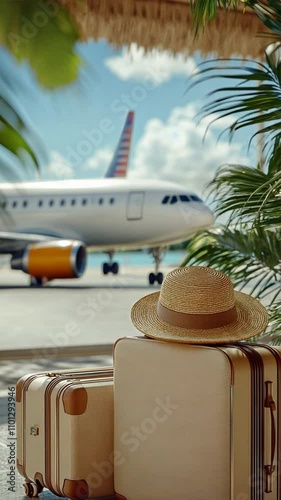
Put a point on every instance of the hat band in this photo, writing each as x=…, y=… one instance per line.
x=200, y=321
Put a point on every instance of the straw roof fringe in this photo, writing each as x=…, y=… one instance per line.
x=166, y=24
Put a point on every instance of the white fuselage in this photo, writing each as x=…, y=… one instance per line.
x=105, y=214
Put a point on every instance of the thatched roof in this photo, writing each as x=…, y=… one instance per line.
x=166, y=24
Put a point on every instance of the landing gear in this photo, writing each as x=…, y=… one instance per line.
x=38, y=282
x=152, y=278
x=32, y=489
x=110, y=267
x=157, y=254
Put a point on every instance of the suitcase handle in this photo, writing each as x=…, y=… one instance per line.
x=270, y=403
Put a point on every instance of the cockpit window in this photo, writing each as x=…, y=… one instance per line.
x=165, y=200
x=195, y=198
x=184, y=198
x=172, y=199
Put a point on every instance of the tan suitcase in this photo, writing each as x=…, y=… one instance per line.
x=196, y=422
x=65, y=433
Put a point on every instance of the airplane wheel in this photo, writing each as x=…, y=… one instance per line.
x=36, y=281
x=159, y=278
x=151, y=278
x=115, y=268
x=105, y=268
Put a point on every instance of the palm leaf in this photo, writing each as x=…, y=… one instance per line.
x=269, y=13
x=251, y=258
x=273, y=330
x=14, y=142
x=250, y=195
x=44, y=34
x=255, y=99
x=205, y=10
x=15, y=133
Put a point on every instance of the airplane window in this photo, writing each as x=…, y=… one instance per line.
x=194, y=197
x=184, y=198
x=84, y=201
x=51, y=202
x=14, y=204
x=40, y=203
x=100, y=201
x=24, y=203
x=62, y=202
x=165, y=200
x=73, y=201
x=111, y=201
x=174, y=200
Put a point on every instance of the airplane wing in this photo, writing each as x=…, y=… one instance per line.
x=120, y=161
x=11, y=243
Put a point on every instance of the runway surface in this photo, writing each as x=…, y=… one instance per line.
x=65, y=314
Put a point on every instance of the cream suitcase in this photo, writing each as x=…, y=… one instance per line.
x=65, y=433
x=195, y=422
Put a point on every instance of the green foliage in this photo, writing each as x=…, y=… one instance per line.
x=43, y=33
x=205, y=10
x=251, y=257
x=12, y=131
x=253, y=99
x=248, y=247
x=269, y=12
x=249, y=194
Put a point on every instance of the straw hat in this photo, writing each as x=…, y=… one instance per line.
x=198, y=305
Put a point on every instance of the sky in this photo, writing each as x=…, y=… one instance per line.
x=79, y=125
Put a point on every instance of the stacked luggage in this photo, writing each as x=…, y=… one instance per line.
x=196, y=409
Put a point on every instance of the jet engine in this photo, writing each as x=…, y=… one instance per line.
x=52, y=260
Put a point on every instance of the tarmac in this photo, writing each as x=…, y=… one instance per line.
x=65, y=325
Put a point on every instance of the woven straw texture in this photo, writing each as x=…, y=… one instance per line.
x=196, y=290
x=166, y=24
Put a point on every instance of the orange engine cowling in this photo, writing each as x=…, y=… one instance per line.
x=52, y=259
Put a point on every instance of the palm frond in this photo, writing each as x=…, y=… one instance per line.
x=250, y=195
x=15, y=133
x=250, y=257
x=274, y=330
x=14, y=142
x=269, y=12
x=48, y=47
x=205, y=10
x=254, y=99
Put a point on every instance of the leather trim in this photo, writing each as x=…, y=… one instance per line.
x=19, y=388
x=119, y=497
x=257, y=424
x=197, y=321
x=75, y=401
x=75, y=489
x=38, y=477
x=21, y=471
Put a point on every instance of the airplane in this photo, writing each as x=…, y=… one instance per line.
x=47, y=226
x=120, y=161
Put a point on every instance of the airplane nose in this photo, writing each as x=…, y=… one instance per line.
x=206, y=217
x=199, y=218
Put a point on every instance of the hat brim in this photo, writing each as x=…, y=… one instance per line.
x=252, y=319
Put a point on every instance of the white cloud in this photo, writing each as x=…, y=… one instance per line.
x=136, y=64
x=58, y=167
x=98, y=163
x=175, y=151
